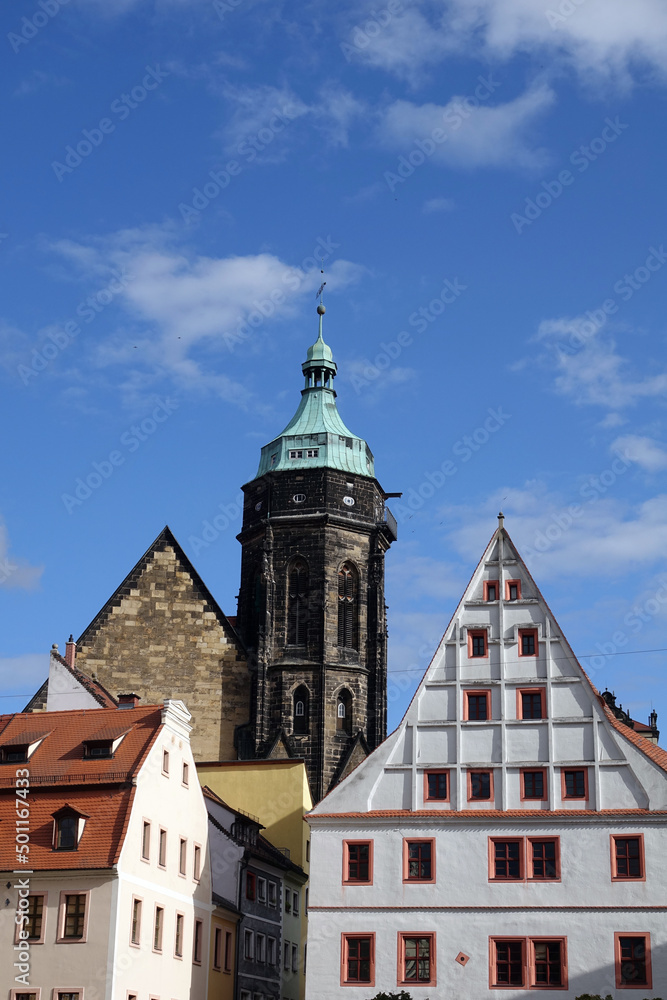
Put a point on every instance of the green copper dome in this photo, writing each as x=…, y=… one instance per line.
x=316, y=436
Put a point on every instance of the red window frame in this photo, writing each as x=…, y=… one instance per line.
x=401, y=979
x=619, y=938
x=469, y=775
x=496, y=859
x=476, y=693
x=345, y=959
x=528, y=960
x=573, y=798
x=527, y=860
x=531, y=860
x=531, y=691
x=347, y=861
x=476, y=633
x=491, y=583
x=407, y=841
x=614, y=838
x=545, y=788
x=435, y=773
x=512, y=583
x=526, y=632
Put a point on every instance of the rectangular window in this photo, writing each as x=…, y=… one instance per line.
x=250, y=886
x=534, y=785
x=295, y=958
x=312, y=452
x=228, y=951
x=419, y=860
x=480, y=786
x=146, y=841
x=358, y=960
x=261, y=890
x=534, y=962
x=165, y=762
x=271, y=951
x=416, y=959
x=436, y=786
x=198, y=939
x=547, y=966
x=491, y=590
x=512, y=590
x=627, y=858
x=157, y=928
x=260, y=948
x=507, y=963
x=273, y=894
x=531, y=703
x=477, y=642
x=574, y=783
x=358, y=862
x=196, y=863
x=506, y=859
x=162, y=849
x=476, y=706
x=249, y=945
x=633, y=960
x=295, y=904
x=286, y=954
x=217, y=949
x=544, y=858
x=186, y=772
x=75, y=916
x=307, y=850
x=182, y=856
x=135, y=937
x=178, y=937
x=68, y=994
x=528, y=642
x=35, y=915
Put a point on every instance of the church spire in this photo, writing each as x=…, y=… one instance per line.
x=319, y=367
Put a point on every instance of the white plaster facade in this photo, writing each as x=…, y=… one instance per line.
x=491, y=911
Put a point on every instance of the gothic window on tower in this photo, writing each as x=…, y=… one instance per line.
x=301, y=715
x=297, y=604
x=348, y=588
x=344, y=712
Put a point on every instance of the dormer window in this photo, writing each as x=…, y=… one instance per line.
x=100, y=748
x=20, y=748
x=68, y=826
x=15, y=753
x=103, y=743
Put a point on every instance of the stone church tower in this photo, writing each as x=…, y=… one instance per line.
x=311, y=607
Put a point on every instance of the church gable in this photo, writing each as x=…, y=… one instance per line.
x=162, y=633
x=506, y=719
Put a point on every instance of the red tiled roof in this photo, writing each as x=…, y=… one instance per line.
x=24, y=739
x=60, y=775
x=652, y=750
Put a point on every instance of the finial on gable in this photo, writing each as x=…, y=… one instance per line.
x=501, y=520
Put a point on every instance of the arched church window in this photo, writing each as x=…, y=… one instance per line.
x=300, y=719
x=344, y=712
x=348, y=589
x=297, y=604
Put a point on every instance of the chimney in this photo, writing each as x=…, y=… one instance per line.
x=128, y=700
x=70, y=652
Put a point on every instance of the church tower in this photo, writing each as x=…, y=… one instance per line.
x=311, y=604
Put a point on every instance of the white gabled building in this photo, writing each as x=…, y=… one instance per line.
x=509, y=835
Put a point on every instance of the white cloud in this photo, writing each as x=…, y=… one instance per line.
x=437, y=205
x=644, y=451
x=16, y=573
x=589, y=370
x=482, y=136
x=24, y=674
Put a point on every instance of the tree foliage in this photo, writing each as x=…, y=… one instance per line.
x=403, y=995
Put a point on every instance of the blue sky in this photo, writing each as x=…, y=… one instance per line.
x=485, y=180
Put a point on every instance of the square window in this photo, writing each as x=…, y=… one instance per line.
x=531, y=703
x=507, y=962
x=436, y=786
x=477, y=643
x=506, y=859
x=627, y=858
x=491, y=590
x=544, y=859
x=416, y=959
x=574, y=783
x=512, y=590
x=358, y=960
x=633, y=961
x=419, y=860
x=528, y=642
x=358, y=862
x=476, y=706
x=533, y=785
x=480, y=786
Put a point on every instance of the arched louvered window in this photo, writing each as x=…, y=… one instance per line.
x=297, y=604
x=300, y=711
x=348, y=592
x=344, y=712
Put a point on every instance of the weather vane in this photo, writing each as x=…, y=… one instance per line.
x=318, y=294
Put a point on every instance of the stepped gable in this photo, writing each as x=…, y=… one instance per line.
x=162, y=633
x=468, y=713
